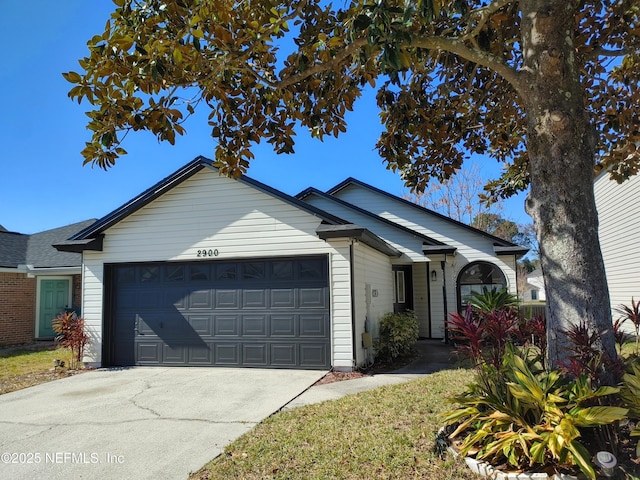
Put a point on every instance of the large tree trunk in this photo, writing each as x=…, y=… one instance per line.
x=561, y=145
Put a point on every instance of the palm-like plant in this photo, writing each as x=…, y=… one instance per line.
x=492, y=299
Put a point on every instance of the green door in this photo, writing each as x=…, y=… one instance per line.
x=54, y=298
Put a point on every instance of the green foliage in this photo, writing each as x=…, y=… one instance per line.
x=451, y=75
x=528, y=417
x=630, y=394
x=71, y=334
x=398, y=336
x=493, y=299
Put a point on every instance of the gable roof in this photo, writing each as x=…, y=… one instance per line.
x=176, y=179
x=502, y=246
x=91, y=237
x=430, y=245
x=37, y=250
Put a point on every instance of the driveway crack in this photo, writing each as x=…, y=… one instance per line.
x=135, y=403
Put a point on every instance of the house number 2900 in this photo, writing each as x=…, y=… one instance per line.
x=207, y=253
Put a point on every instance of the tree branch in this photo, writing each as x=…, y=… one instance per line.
x=458, y=47
x=483, y=15
x=603, y=52
x=349, y=50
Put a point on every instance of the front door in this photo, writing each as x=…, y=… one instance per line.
x=403, y=288
x=54, y=298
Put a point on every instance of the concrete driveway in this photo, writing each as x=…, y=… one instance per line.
x=138, y=423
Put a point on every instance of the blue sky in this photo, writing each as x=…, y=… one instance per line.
x=43, y=183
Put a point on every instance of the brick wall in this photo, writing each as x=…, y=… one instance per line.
x=76, y=297
x=17, y=308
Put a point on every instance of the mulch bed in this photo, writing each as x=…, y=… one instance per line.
x=18, y=382
x=334, y=376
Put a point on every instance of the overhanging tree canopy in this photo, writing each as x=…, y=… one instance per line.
x=550, y=87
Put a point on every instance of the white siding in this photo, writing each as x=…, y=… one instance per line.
x=470, y=246
x=212, y=212
x=340, y=286
x=421, y=297
x=373, y=295
x=619, y=216
x=437, y=303
x=409, y=245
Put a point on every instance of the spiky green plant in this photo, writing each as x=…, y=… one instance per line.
x=529, y=417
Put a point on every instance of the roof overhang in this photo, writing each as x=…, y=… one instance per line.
x=79, y=246
x=10, y=270
x=356, y=232
x=509, y=250
x=438, y=249
x=32, y=271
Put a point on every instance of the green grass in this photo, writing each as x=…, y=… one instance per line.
x=26, y=360
x=25, y=367
x=388, y=432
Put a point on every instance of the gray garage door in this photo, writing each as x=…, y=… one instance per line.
x=254, y=313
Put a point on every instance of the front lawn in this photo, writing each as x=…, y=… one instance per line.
x=388, y=432
x=28, y=366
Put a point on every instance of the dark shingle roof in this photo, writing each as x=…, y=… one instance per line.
x=37, y=249
x=13, y=249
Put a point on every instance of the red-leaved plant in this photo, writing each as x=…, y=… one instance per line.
x=632, y=314
x=481, y=336
x=70, y=334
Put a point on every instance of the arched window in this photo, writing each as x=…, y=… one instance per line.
x=478, y=276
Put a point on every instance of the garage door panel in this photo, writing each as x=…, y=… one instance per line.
x=254, y=299
x=312, y=325
x=227, y=354
x=283, y=355
x=272, y=312
x=312, y=355
x=227, y=298
x=201, y=299
x=176, y=355
x=201, y=355
x=201, y=324
x=283, y=325
x=283, y=298
x=254, y=325
x=255, y=354
x=313, y=298
x=227, y=325
x=148, y=353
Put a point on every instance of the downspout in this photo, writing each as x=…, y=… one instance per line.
x=444, y=298
x=353, y=304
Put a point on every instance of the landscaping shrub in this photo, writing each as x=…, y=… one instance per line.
x=71, y=334
x=398, y=336
x=525, y=416
x=520, y=414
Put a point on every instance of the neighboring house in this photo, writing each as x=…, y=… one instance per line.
x=37, y=282
x=619, y=219
x=202, y=269
x=534, y=288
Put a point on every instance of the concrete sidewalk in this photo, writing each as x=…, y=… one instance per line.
x=434, y=355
